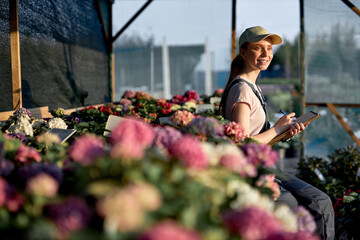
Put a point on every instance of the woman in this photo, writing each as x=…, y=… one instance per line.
x=244, y=103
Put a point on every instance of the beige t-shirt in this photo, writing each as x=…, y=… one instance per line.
x=242, y=93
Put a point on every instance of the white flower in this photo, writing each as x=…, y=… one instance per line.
x=189, y=105
x=175, y=107
x=215, y=152
x=57, y=123
x=22, y=125
x=286, y=217
x=247, y=196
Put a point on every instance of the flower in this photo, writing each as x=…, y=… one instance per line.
x=251, y=223
x=182, y=117
x=133, y=131
x=71, y=215
x=169, y=229
x=205, y=127
x=6, y=167
x=189, y=105
x=191, y=95
x=9, y=197
x=48, y=139
x=143, y=95
x=235, y=132
x=57, y=123
x=42, y=185
x=125, y=102
x=129, y=94
x=188, y=150
x=260, y=154
x=86, y=149
x=165, y=107
x=165, y=136
x=121, y=210
x=268, y=181
x=287, y=218
x=29, y=171
x=147, y=195
x=22, y=112
x=219, y=92
x=25, y=154
x=305, y=220
x=239, y=164
x=283, y=235
x=22, y=137
x=22, y=125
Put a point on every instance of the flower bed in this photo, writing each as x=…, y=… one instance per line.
x=200, y=178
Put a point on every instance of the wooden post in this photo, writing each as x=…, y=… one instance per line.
x=343, y=123
x=111, y=52
x=15, y=55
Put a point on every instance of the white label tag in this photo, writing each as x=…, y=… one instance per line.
x=319, y=174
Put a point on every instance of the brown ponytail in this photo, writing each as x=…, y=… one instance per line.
x=237, y=67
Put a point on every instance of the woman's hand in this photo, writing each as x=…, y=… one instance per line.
x=289, y=121
x=284, y=123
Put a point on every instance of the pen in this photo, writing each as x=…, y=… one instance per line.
x=283, y=112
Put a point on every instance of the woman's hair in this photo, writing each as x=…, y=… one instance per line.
x=237, y=67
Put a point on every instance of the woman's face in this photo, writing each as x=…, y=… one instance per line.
x=258, y=55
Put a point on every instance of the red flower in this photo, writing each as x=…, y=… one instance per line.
x=106, y=110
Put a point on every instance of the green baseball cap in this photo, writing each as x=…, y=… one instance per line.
x=256, y=34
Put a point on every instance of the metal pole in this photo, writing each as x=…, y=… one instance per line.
x=302, y=70
x=131, y=20
x=233, y=30
x=352, y=6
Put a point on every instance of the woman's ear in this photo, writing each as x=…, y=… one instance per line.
x=242, y=53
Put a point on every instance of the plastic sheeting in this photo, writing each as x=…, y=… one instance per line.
x=332, y=33
x=64, y=60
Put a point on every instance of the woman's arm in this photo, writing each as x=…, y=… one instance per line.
x=241, y=115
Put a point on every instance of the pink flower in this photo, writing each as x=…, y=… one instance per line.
x=182, y=117
x=268, y=181
x=42, y=185
x=189, y=151
x=235, y=132
x=127, y=151
x=260, y=154
x=129, y=94
x=219, y=91
x=165, y=136
x=169, y=230
x=133, y=131
x=238, y=164
x=27, y=154
x=86, y=149
x=292, y=236
x=251, y=223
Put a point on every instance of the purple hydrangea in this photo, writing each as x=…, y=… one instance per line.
x=165, y=136
x=6, y=167
x=260, y=154
x=22, y=112
x=29, y=171
x=20, y=136
x=305, y=220
x=205, y=127
x=71, y=215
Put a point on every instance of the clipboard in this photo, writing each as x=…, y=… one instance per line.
x=305, y=119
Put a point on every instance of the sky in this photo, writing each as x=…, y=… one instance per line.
x=191, y=22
